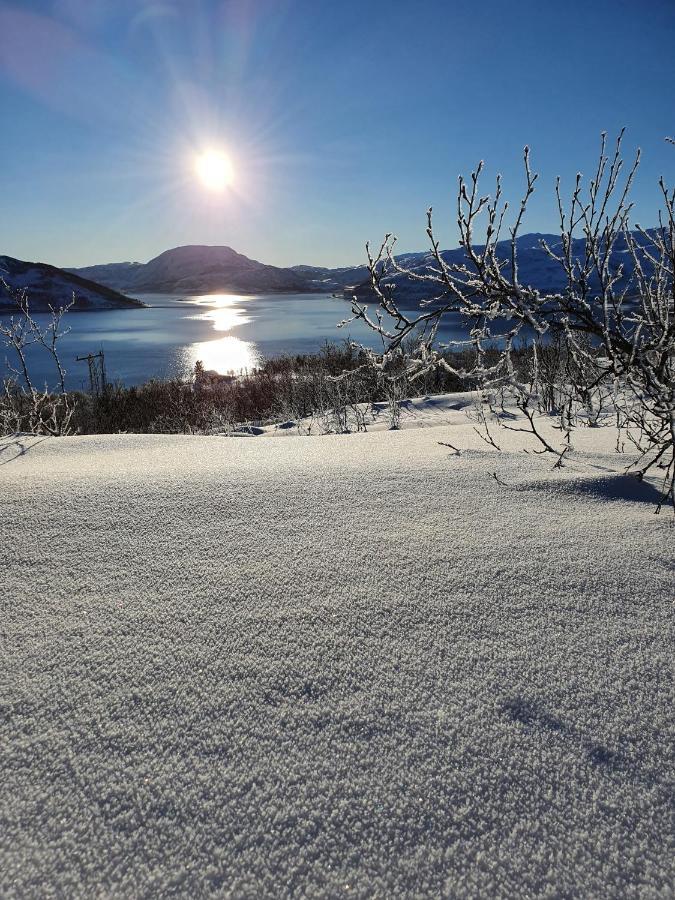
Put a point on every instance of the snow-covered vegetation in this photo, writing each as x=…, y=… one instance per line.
x=331, y=388
x=364, y=665
x=606, y=335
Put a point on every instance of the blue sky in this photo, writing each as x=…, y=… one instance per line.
x=343, y=120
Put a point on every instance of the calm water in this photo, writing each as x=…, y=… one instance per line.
x=227, y=332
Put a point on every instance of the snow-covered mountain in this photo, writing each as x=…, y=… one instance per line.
x=208, y=269
x=47, y=285
x=197, y=269
x=535, y=267
x=322, y=278
x=119, y=276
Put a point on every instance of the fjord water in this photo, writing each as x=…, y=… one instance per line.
x=227, y=332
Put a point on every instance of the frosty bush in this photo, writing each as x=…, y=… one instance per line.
x=25, y=407
x=606, y=339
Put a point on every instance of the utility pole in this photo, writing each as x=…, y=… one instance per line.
x=97, y=379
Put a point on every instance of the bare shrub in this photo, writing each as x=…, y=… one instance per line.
x=23, y=406
x=604, y=343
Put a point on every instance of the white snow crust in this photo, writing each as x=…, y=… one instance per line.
x=349, y=665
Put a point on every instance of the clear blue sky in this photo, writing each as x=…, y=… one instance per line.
x=343, y=119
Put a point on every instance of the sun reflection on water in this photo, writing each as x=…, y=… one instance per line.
x=223, y=310
x=225, y=355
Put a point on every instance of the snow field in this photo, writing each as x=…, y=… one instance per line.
x=349, y=665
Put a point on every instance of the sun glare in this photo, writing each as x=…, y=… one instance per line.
x=214, y=170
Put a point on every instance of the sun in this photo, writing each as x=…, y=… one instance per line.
x=214, y=170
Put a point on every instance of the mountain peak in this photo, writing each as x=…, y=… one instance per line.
x=197, y=269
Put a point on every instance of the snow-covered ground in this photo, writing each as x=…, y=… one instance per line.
x=351, y=665
x=419, y=412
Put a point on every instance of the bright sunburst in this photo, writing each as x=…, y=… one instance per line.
x=214, y=170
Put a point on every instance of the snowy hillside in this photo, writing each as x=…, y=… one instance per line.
x=325, y=279
x=358, y=665
x=47, y=285
x=119, y=276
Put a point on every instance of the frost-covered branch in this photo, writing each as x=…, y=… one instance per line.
x=22, y=404
x=612, y=322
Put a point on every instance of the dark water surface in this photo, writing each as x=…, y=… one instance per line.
x=227, y=332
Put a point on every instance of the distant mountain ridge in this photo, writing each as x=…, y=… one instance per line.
x=207, y=269
x=195, y=269
x=202, y=269
x=536, y=268
x=47, y=285
x=119, y=276
x=322, y=278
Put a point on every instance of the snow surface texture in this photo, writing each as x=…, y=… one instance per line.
x=333, y=666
